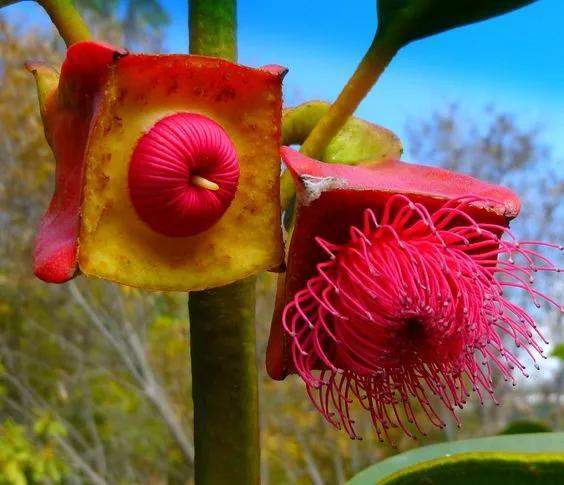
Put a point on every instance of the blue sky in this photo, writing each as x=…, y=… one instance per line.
x=515, y=61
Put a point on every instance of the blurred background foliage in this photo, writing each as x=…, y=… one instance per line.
x=138, y=23
x=95, y=379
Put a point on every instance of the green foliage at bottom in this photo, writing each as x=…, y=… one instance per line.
x=516, y=459
x=26, y=460
x=484, y=469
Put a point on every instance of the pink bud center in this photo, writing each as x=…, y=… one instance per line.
x=183, y=175
x=415, y=305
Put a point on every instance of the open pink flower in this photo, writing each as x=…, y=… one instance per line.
x=395, y=291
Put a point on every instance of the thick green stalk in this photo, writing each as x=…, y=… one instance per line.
x=68, y=21
x=224, y=384
x=222, y=328
x=64, y=16
x=213, y=28
x=375, y=61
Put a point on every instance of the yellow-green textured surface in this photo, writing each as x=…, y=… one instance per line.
x=114, y=243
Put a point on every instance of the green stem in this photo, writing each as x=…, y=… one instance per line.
x=68, y=21
x=213, y=28
x=224, y=384
x=222, y=328
x=375, y=61
x=64, y=16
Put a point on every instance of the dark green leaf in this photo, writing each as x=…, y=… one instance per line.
x=484, y=468
x=545, y=443
x=415, y=19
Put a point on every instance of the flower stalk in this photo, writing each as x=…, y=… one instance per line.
x=224, y=384
x=316, y=138
x=65, y=17
x=379, y=54
x=222, y=331
x=213, y=28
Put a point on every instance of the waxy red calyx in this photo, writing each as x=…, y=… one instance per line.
x=67, y=109
x=333, y=197
x=206, y=217
x=395, y=291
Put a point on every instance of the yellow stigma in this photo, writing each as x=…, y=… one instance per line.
x=203, y=182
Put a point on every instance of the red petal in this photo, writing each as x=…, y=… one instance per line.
x=333, y=197
x=67, y=124
x=394, y=176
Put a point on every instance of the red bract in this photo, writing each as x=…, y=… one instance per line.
x=395, y=291
x=67, y=113
x=160, y=160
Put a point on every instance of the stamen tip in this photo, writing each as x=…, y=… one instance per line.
x=204, y=183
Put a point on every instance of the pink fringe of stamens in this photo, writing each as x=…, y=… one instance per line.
x=413, y=307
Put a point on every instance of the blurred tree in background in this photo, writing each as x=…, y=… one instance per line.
x=140, y=22
x=94, y=378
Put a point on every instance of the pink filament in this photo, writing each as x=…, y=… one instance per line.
x=177, y=148
x=413, y=307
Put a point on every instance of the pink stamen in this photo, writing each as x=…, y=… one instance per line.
x=413, y=304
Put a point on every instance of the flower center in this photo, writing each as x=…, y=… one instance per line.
x=183, y=175
x=413, y=306
x=414, y=329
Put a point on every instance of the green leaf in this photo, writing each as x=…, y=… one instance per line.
x=485, y=468
x=558, y=351
x=409, y=20
x=451, y=457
